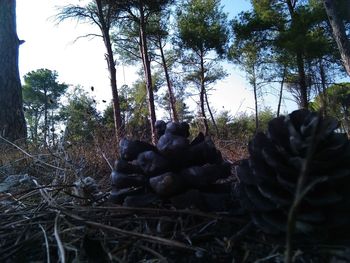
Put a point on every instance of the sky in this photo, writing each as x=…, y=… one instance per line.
x=81, y=62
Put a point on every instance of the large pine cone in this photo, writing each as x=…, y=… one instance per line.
x=268, y=179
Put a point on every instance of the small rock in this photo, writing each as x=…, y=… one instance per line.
x=17, y=180
x=86, y=187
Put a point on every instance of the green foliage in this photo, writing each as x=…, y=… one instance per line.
x=202, y=38
x=242, y=127
x=223, y=122
x=202, y=26
x=127, y=39
x=295, y=38
x=80, y=116
x=134, y=110
x=41, y=95
x=307, y=33
x=335, y=101
x=184, y=114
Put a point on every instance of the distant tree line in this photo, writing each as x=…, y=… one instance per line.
x=58, y=115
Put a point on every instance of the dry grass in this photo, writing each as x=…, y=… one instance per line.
x=232, y=150
x=46, y=220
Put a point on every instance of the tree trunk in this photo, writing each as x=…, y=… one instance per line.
x=281, y=92
x=323, y=93
x=304, y=100
x=45, y=117
x=148, y=74
x=211, y=114
x=202, y=93
x=119, y=127
x=170, y=88
x=255, y=101
x=339, y=32
x=52, y=130
x=12, y=122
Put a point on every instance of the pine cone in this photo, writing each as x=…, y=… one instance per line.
x=268, y=179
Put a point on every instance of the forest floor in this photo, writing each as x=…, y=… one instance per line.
x=44, y=218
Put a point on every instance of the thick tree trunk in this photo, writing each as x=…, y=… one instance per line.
x=119, y=127
x=202, y=93
x=148, y=74
x=170, y=88
x=12, y=122
x=339, y=32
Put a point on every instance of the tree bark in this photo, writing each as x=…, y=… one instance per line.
x=170, y=88
x=323, y=93
x=255, y=101
x=211, y=113
x=105, y=28
x=281, y=92
x=12, y=122
x=45, y=117
x=339, y=32
x=147, y=72
x=304, y=100
x=202, y=93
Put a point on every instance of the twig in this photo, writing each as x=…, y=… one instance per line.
x=155, y=239
x=46, y=244
x=61, y=251
x=109, y=164
x=161, y=211
x=267, y=258
x=161, y=258
x=242, y=232
x=44, y=193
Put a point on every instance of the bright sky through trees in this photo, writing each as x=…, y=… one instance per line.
x=52, y=46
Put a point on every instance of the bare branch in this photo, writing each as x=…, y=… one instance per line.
x=90, y=36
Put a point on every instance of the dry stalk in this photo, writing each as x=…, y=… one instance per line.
x=31, y=156
x=61, y=251
x=48, y=259
x=301, y=191
x=155, y=239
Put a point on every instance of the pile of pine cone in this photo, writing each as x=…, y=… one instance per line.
x=176, y=172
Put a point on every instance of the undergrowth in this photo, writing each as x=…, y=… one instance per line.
x=52, y=217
